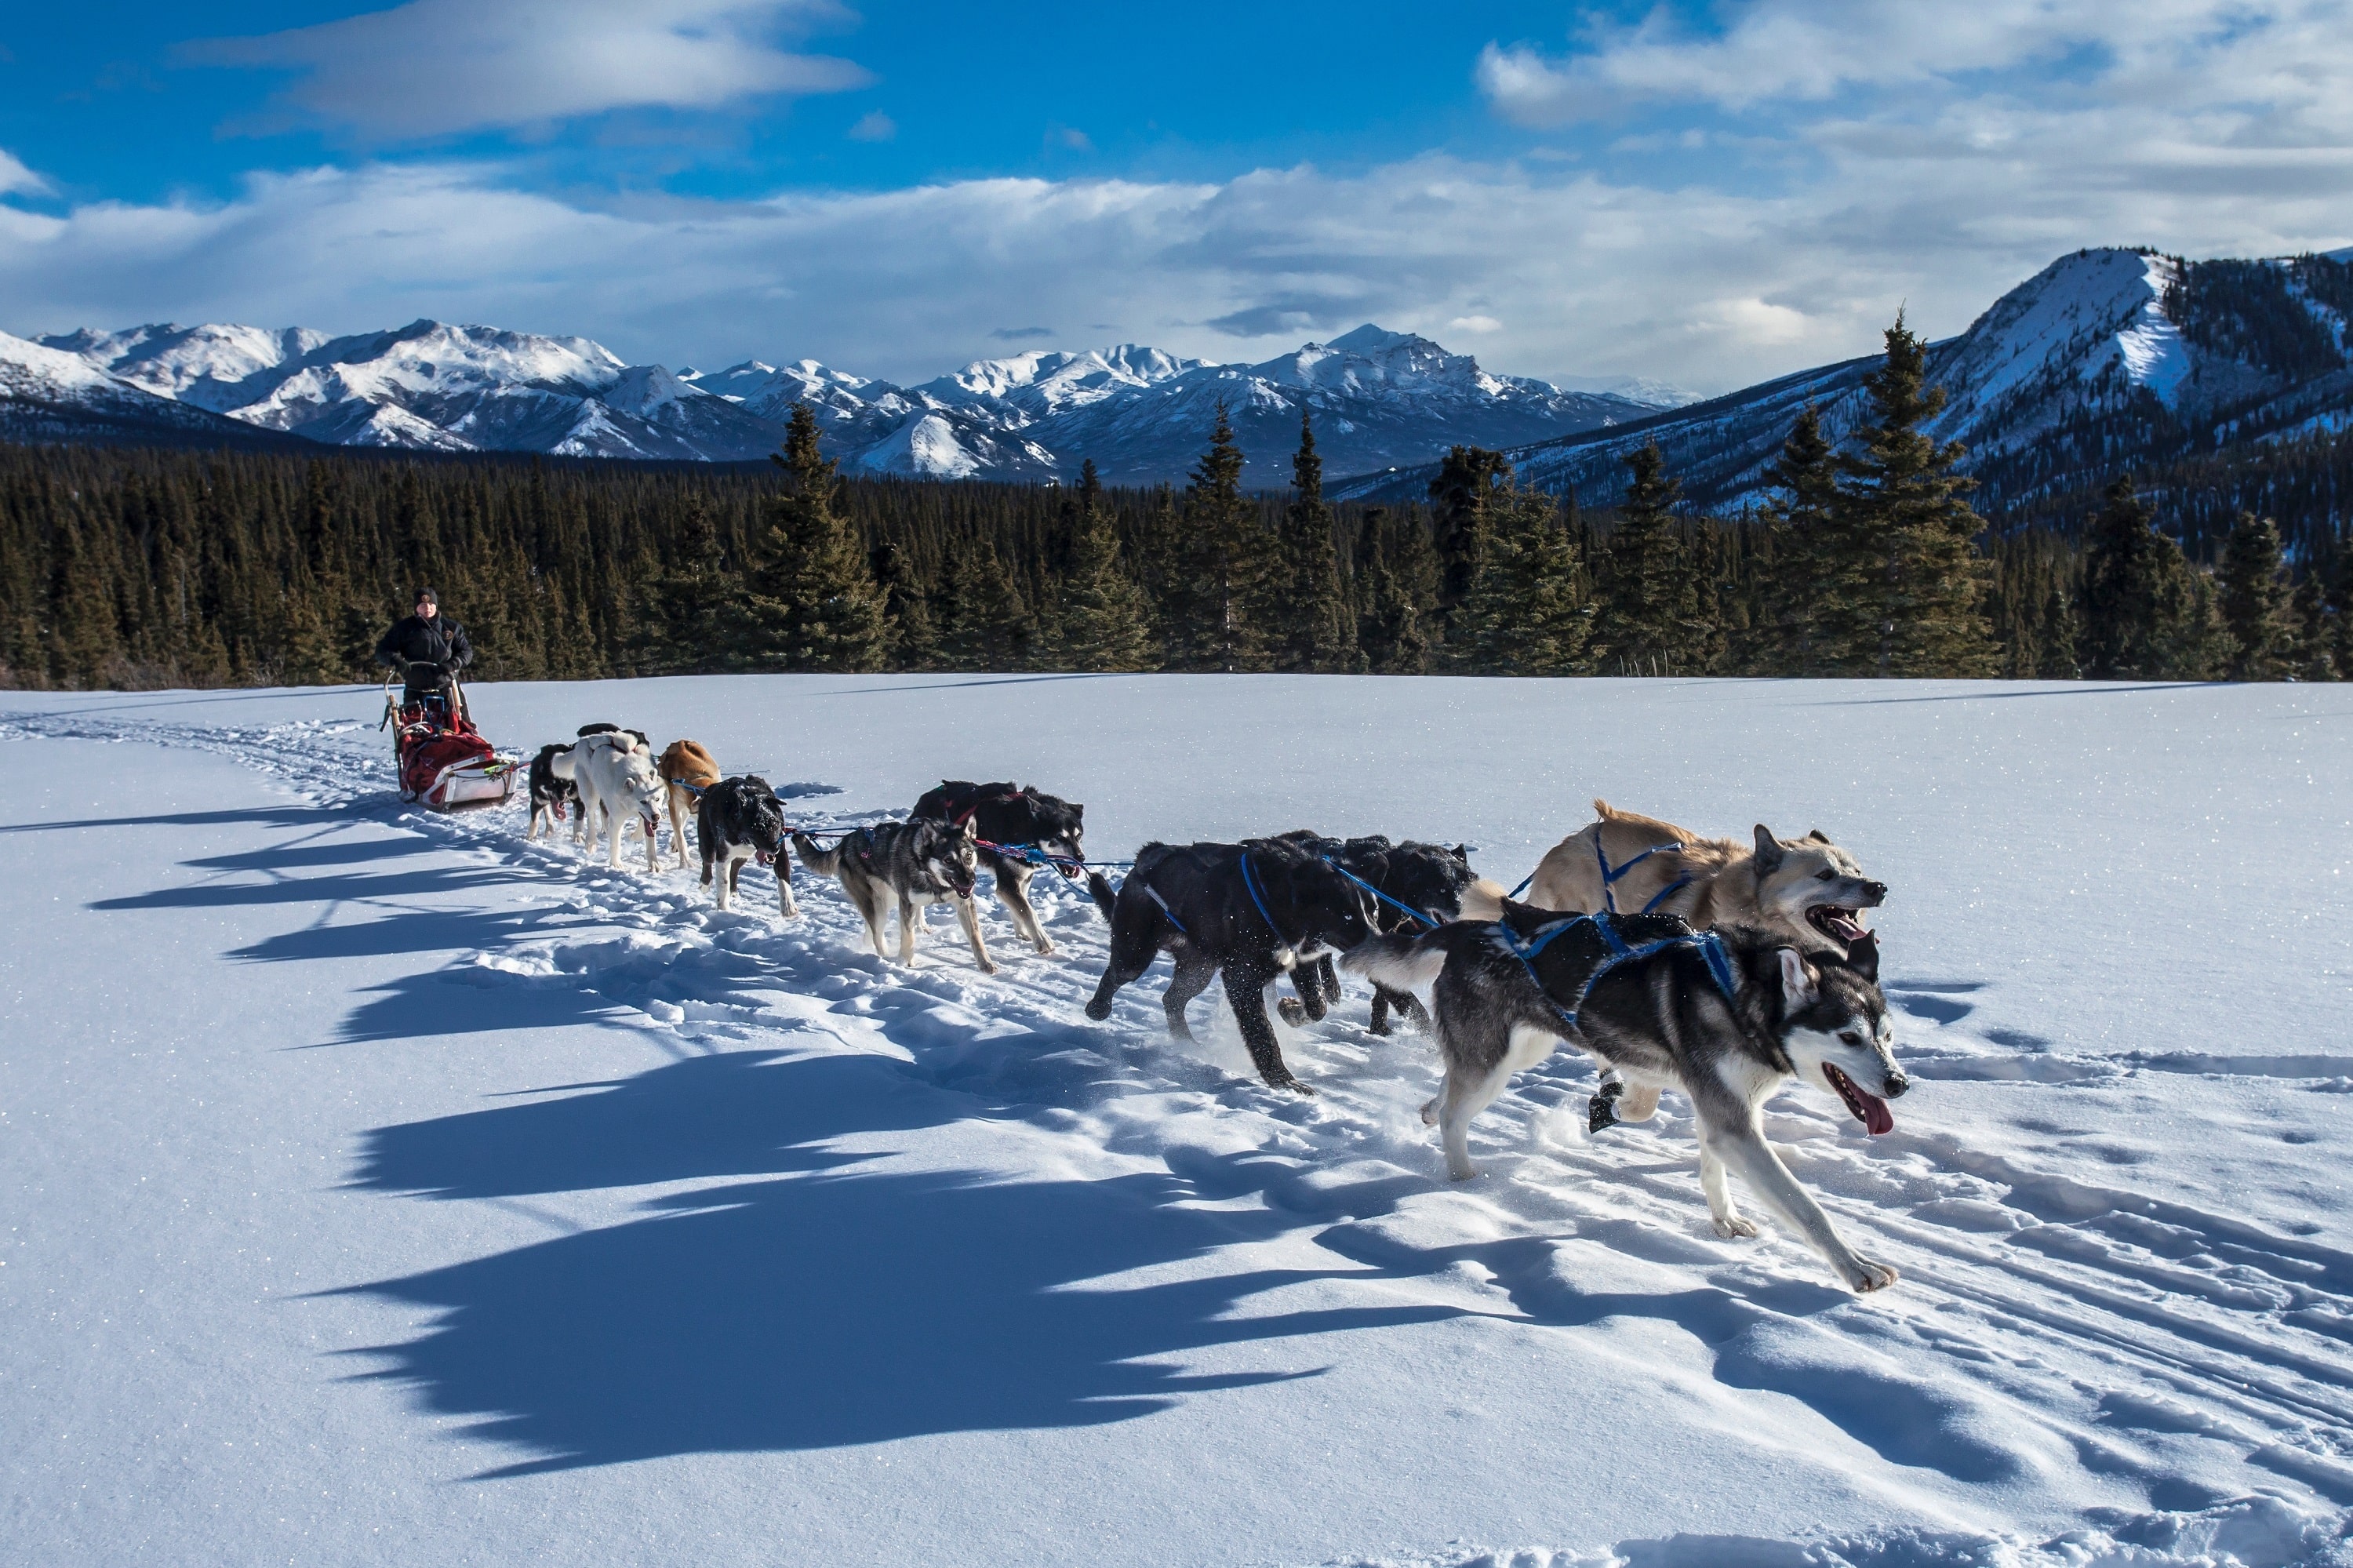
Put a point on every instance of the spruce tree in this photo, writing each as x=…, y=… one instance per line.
x=2254, y=600
x=694, y=600
x=1648, y=598
x=915, y=640
x=1230, y=561
x=2131, y=600
x=1389, y=627
x=991, y=628
x=1907, y=529
x=1811, y=572
x=1467, y=481
x=1105, y=623
x=1526, y=612
x=810, y=603
x=1313, y=625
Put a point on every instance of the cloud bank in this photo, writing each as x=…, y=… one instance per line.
x=436, y=66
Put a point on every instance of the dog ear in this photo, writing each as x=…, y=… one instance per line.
x=1818, y=836
x=1769, y=852
x=1862, y=956
x=1800, y=987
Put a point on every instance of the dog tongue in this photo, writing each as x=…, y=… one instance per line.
x=1876, y=1117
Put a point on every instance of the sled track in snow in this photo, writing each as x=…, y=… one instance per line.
x=2144, y=1336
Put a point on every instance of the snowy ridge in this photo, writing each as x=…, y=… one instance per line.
x=1143, y=414
x=2087, y=351
x=50, y=394
x=2075, y=1332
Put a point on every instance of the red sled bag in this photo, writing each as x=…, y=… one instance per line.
x=443, y=759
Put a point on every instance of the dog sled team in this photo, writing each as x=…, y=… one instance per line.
x=1721, y=969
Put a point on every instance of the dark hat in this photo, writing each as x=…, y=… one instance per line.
x=424, y=593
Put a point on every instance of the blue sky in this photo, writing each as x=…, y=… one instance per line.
x=1706, y=195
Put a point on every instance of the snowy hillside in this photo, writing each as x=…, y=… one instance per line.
x=48, y=394
x=2105, y=358
x=1143, y=414
x=389, y=1190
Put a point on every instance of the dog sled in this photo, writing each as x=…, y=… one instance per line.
x=443, y=760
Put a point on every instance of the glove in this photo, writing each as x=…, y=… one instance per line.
x=448, y=666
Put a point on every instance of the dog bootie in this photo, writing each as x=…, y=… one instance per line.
x=1601, y=1110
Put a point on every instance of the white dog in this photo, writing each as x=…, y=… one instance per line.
x=615, y=774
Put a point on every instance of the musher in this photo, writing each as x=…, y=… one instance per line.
x=426, y=638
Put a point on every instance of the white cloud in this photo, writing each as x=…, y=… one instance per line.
x=16, y=179
x=1474, y=323
x=876, y=126
x=434, y=67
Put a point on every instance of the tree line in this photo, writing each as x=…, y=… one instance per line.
x=126, y=568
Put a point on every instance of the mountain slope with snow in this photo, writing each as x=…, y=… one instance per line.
x=2104, y=359
x=1144, y=415
x=51, y=394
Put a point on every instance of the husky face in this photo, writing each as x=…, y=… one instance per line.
x=951, y=859
x=1813, y=883
x=1838, y=1036
x=761, y=818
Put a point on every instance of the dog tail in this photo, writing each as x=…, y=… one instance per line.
x=1483, y=900
x=1100, y=889
x=824, y=862
x=1400, y=963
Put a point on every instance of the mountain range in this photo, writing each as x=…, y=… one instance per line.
x=2105, y=361
x=1380, y=400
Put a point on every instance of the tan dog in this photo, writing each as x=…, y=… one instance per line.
x=683, y=763
x=1806, y=891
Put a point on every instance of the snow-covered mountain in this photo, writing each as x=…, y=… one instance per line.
x=48, y=394
x=1380, y=399
x=2103, y=360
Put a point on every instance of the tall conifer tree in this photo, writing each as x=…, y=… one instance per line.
x=1106, y=624
x=2254, y=600
x=1313, y=627
x=1904, y=523
x=1231, y=561
x=1648, y=597
x=812, y=603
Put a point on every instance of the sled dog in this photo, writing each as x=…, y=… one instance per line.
x=1807, y=891
x=1016, y=817
x=1727, y=1029
x=552, y=790
x=1248, y=912
x=614, y=771
x=739, y=819
x=1431, y=879
x=684, y=763
x=912, y=864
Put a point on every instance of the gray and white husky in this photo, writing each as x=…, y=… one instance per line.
x=1728, y=1030
x=912, y=864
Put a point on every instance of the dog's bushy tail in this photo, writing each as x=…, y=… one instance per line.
x=1483, y=900
x=1400, y=962
x=1099, y=890
x=824, y=862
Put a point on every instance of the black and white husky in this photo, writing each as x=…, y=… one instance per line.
x=1247, y=912
x=1016, y=817
x=1728, y=1027
x=552, y=790
x=738, y=819
x=912, y=864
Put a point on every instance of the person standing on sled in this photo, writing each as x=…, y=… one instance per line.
x=429, y=639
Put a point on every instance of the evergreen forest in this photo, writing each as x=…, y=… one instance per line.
x=134, y=567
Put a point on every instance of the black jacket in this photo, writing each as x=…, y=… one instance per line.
x=435, y=641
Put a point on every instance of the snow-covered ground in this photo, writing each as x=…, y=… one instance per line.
x=382, y=1188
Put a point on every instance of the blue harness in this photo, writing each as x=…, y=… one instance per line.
x=1609, y=878
x=1394, y=904
x=1250, y=884
x=1711, y=947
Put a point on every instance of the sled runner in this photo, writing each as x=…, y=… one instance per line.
x=443, y=760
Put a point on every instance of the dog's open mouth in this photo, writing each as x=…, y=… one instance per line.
x=1868, y=1107
x=766, y=857
x=1844, y=926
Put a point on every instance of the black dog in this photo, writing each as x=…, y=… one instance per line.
x=1016, y=817
x=1430, y=880
x=1248, y=912
x=739, y=819
x=549, y=793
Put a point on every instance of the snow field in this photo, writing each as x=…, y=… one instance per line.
x=1118, y=1302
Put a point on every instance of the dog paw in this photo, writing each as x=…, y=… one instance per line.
x=1867, y=1276
x=1293, y=1085
x=1736, y=1228
x=1601, y=1110
x=1430, y=1114
x=1099, y=1009
x=1292, y=1011
x=1046, y=950
x=1381, y=1029
x=988, y=968
x=1461, y=1172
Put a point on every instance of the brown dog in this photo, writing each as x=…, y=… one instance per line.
x=684, y=763
x=1807, y=891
